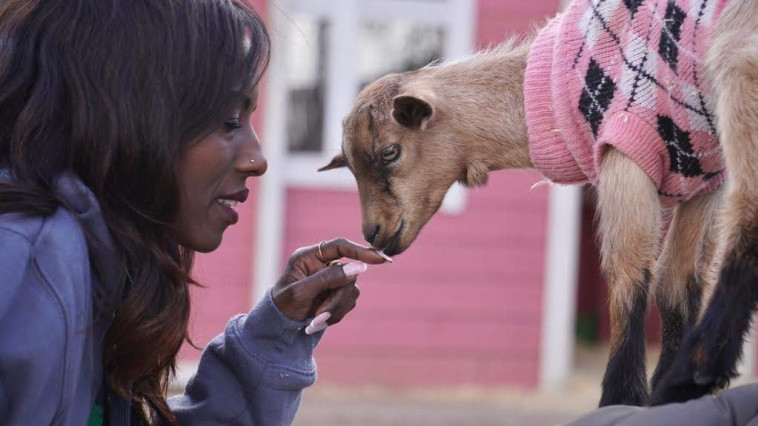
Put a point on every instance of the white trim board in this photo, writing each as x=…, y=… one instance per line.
x=271, y=192
x=560, y=285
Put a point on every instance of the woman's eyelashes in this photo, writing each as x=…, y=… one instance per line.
x=235, y=122
x=232, y=124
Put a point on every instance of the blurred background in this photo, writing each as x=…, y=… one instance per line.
x=497, y=315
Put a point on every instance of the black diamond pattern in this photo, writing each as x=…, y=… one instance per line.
x=682, y=157
x=633, y=5
x=668, y=47
x=596, y=96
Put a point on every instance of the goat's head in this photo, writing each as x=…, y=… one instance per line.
x=398, y=144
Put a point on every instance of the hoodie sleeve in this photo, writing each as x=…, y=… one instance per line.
x=252, y=374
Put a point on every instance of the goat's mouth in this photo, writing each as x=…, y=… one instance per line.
x=392, y=246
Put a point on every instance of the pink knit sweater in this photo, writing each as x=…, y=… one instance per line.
x=629, y=74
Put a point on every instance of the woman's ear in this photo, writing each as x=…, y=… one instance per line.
x=337, y=162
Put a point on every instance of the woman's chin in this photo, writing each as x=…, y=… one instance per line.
x=207, y=244
x=204, y=243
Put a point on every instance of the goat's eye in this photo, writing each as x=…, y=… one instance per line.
x=391, y=153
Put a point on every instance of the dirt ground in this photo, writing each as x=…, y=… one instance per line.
x=372, y=407
x=326, y=406
x=323, y=405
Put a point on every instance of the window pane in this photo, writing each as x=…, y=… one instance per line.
x=306, y=73
x=397, y=46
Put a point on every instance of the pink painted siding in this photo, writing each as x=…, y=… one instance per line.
x=461, y=306
x=500, y=19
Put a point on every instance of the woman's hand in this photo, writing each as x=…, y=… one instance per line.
x=309, y=287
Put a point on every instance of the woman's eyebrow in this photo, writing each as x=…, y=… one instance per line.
x=242, y=96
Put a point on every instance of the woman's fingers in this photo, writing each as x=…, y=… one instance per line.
x=334, y=308
x=341, y=247
x=306, y=261
x=298, y=299
x=334, y=276
x=308, y=283
x=340, y=303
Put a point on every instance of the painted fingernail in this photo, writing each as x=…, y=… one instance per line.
x=315, y=329
x=321, y=318
x=381, y=253
x=318, y=323
x=355, y=268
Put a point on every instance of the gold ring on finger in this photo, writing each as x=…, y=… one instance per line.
x=335, y=263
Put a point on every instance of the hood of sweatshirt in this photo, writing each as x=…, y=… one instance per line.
x=105, y=258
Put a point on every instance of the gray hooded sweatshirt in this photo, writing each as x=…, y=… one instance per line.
x=58, y=293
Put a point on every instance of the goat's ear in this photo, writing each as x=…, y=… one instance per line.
x=411, y=111
x=337, y=162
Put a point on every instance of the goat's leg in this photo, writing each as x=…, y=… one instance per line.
x=678, y=283
x=711, y=250
x=709, y=355
x=630, y=223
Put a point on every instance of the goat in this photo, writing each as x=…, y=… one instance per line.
x=658, y=118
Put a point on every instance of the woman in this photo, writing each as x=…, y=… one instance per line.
x=125, y=144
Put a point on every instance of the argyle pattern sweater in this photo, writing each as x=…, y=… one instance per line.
x=627, y=74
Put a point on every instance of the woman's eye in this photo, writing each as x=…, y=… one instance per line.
x=391, y=153
x=232, y=124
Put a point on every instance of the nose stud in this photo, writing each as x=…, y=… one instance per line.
x=252, y=160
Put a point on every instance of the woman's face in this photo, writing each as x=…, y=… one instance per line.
x=212, y=174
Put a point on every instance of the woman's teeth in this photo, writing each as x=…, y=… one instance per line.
x=228, y=203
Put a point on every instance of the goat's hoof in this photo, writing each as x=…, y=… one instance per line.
x=681, y=391
x=713, y=381
x=632, y=401
x=675, y=391
x=677, y=385
x=637, y=398
x=685, y=382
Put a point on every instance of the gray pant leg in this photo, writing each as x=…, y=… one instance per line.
x=733, y=407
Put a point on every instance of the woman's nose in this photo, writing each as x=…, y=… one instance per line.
x=254, y=164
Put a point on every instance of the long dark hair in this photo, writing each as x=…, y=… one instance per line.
x=112, y=91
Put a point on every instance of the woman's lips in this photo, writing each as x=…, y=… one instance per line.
x=227, y=206
x=227, y=203
x=239, y=196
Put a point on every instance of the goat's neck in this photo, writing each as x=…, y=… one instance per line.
x=487, y=104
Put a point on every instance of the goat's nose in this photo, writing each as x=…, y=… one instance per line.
x=370, y=232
